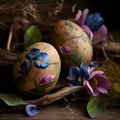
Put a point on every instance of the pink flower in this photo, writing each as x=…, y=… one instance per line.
x=81, y=17
x=100, y=35
x=66, y=50
x=80, y=20
x=46, y=79
x=97, y=83
x=93, y=25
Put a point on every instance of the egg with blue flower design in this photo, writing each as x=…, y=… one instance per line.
x=37, y=69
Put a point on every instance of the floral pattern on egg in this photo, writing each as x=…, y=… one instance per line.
x=72, y=43
x=37, y=69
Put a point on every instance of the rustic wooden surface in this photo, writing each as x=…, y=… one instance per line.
x=58, y=111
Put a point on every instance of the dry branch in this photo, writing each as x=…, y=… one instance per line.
x=50, y=98
x=110, y=47
x=7, y=59
x=45, y=100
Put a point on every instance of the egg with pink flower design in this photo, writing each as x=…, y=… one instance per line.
x=37, y=69
x=72, y=43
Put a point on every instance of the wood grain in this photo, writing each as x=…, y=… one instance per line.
x=58, y=111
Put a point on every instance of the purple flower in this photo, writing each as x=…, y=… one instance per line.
x=66, y=50
x=46, y=79
x=78, y=74
x=81, y=17
x=80, y=20
x=42, y=60
x=100, y=35
x=97, y=83
x=32, y=55
x=93, y=25
x=32, y=110
x=88, y=31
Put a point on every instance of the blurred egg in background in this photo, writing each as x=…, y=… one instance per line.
x=72, y=43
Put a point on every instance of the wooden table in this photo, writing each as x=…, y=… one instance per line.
x=58, y=111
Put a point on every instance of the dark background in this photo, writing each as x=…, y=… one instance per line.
x=109, y=9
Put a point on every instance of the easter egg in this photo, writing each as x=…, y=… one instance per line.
x=37, y=69
x=72, y=43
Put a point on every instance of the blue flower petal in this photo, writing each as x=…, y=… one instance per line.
x=74, y=72
x=44, y=56
x=42, y=60
x=75, y=76
x=32, y=110
x=37, y=63
x=94, y=21
x=84, y=71
x=44, y=65
x=32, y=55
x=24, y=66
x=93, y=64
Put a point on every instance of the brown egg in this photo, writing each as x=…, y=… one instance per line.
x=37, y=69
x=72, y=44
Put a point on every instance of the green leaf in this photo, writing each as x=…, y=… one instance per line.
x=96, y=106
x=31, y=36
x=11, y=99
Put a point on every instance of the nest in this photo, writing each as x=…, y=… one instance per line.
x=16, y=18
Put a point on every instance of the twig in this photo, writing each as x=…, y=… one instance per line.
x=30, y=10
x=7, y=55
x=7, y=59
x=105, y=54
x=2, y=24
x=68, y=107
x=111, y=47
x=10, y=38
x=74, y=6
x=50, y=98
x=45, y=100
x=58, y=8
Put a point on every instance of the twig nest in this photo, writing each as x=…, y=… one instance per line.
x=72, y=43
x=37, y=69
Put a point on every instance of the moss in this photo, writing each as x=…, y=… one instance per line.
x=112, y=70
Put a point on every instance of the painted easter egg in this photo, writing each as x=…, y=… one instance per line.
x=72, y=43
x=37, y=69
